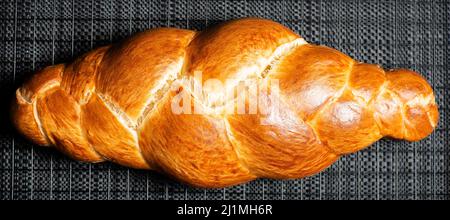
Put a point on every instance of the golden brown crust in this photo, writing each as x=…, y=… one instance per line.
x=22, y=115
x=417, y=122
x=110, y=136
x=42, y=81
x=115, y=103
x=236, y=49
x=155, y=55
x=192, y=148
x=278, y=145
x=388, y=114
x=79, y=77
x=419, y=111
x=407, y=84
x=310, y=76
x=366, y=80
x=24, y=111
x=347, y=125
x=60, y=118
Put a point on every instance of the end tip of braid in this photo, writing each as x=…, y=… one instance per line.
x=407, y=107
x=23, y=108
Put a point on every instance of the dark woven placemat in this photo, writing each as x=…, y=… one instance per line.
x=410, y=34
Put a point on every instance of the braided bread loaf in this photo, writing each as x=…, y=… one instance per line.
x=115, y=103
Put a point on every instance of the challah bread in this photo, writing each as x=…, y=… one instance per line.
x=116, y=103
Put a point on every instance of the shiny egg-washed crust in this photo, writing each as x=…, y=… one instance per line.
x=114, y=103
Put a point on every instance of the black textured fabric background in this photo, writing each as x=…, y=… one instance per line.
x=411, y=34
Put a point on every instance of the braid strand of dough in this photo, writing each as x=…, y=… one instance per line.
x=114, y=103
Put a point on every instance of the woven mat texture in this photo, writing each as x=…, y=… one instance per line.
x=410, y=34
